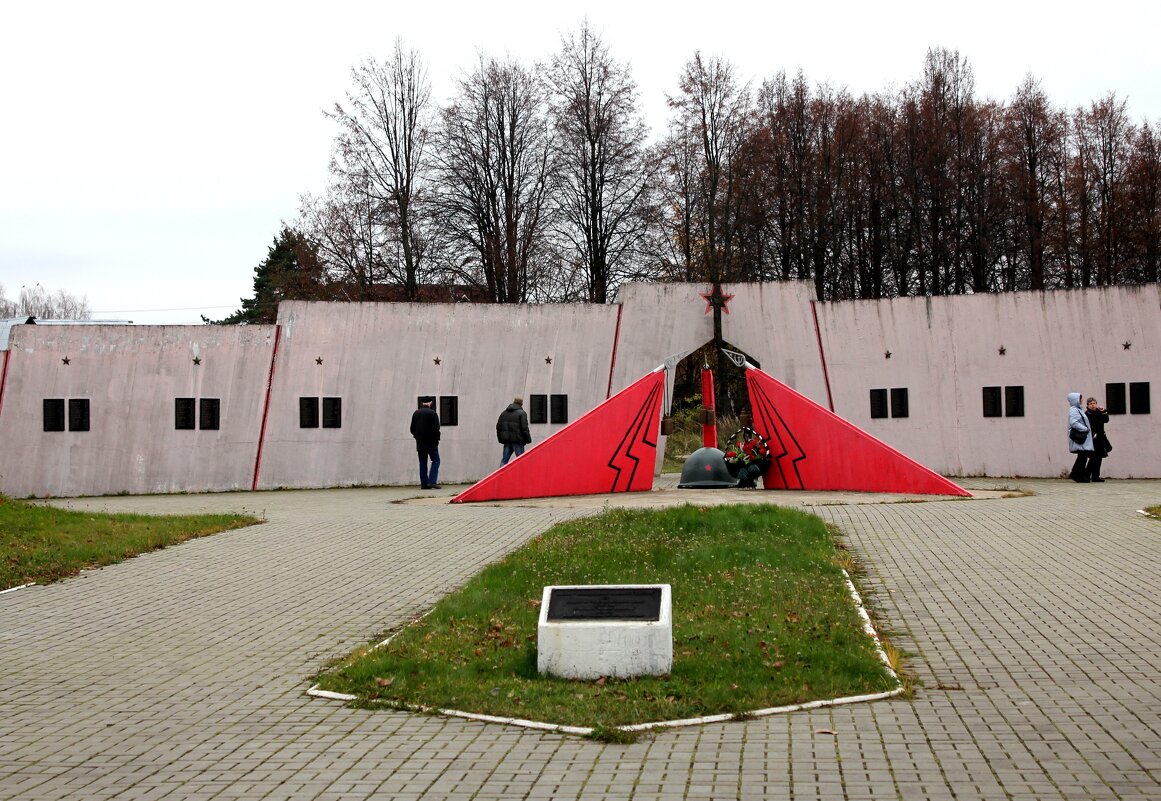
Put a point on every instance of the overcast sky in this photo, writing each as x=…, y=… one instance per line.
x=150, y=151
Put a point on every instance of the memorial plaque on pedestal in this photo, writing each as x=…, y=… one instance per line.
x=604, y=603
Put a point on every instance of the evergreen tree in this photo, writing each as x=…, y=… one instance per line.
x=290, y=271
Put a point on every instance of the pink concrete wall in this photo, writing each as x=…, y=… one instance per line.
x=774, y=324
x=658, y=321
x=131, y=376
x=945, y=350
x=379, y=357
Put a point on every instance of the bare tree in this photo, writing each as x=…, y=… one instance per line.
x=984, y=200
x=715, y=110
x=494, y=171
x=1144, y=205
x=1034, y=142
x=1111, y=132
x=786, y=126
x=7, y=307
x=679, y=204
x=943, y=100
x=350, y=235
x=601, y=177
x=879, y=162
x=543, y=189
x=1080, y=181
x=382, y=152
x=36, y=301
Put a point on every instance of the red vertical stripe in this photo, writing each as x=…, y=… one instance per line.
x=266, y=407
x=822, y=356
x=4, y=378
x=613, y=361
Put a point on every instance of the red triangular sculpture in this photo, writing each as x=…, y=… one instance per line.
x=612, y=448
x=815, y=449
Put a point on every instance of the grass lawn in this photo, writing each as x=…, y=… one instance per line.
x=761, y=618
x=42, y=544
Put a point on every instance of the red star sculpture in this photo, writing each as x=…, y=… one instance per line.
x=715, y=297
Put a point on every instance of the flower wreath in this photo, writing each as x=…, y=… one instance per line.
x=747, y=446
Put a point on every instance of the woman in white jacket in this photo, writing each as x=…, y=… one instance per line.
x=1084, y=449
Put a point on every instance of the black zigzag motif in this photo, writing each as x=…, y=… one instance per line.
x=639, y=430
x=760, y=401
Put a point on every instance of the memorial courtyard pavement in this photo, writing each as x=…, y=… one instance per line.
x=1033, y=626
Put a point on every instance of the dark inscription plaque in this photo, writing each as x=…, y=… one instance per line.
x=605, y=603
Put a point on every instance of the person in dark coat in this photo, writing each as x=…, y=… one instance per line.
x=1097, y=417
x=1079, y=423
x=425, y=429
x=512, y=430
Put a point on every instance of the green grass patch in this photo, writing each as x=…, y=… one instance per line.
x=1155, y=511
x=42, y=544
x=613, y=736
x=761, y=618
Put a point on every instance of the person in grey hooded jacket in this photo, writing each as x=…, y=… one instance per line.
x=1083, y=450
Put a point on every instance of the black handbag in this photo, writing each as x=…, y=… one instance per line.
x=1104, y=444
x=1079, y=437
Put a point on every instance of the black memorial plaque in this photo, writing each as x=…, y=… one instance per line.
x=605, y=603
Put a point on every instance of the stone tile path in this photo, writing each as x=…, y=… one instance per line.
x=1034, y=624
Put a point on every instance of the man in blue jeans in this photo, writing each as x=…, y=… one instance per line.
x=512, y=430
x=425, y=429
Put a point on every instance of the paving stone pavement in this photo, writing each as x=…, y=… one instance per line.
x=1033, y=623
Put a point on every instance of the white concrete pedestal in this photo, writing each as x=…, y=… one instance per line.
x=589, y=649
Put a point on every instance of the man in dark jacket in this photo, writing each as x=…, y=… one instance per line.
x=1097, y=417
x=425, y=429
x=512, y=430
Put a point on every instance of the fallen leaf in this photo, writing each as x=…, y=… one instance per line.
x=825, y=731
x=382, y=682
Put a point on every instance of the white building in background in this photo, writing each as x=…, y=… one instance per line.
x=967, y=385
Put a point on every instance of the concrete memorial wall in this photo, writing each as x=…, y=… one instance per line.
x=775, y=323
x=324, y=398
x=380, y=358
x=1036, y=345
x=117, y=389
